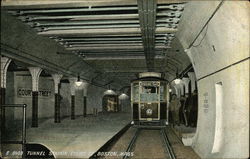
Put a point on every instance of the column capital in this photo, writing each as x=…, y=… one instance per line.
x=85, y=88
x=192, y=77
x=5, y=61
x=176, y=90
x=181, y=86
x=186, y=82
x=56, y=77
x=72, y=81
x=35, y=73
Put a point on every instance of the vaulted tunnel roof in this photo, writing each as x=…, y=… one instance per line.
x=112, y=39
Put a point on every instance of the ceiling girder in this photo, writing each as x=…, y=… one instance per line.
x=147, y=17
x=134, y=47
x=103, y=31
x=48, y=4
x=118, y=57
x=106, y=31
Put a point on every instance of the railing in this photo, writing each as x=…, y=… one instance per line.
x=23, y=141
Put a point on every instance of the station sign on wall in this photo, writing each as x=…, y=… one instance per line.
x=27, y=92
x=205, y=101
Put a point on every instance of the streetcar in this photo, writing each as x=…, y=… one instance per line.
x=149, y=97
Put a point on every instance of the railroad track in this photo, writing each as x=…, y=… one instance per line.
x=150, y=142
x=137, y=142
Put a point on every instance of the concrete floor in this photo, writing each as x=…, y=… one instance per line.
x=78, y=138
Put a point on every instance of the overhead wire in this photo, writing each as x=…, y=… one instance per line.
x=202, y=38
x=205, y=26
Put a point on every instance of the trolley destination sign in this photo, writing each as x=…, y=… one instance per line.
x=27, y=92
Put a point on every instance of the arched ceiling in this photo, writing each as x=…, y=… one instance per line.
x=103, y=40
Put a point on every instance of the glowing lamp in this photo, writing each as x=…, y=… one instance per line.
x=177, y=81
x=123, y=96
x=78, y=82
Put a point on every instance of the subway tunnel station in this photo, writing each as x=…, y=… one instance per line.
x=165, y=79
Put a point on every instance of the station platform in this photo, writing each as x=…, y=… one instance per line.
x=79, y=138
x=181, y=151
x=183, y=131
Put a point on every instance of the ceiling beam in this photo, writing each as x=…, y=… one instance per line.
x=76, y=23
x=98, y=39
x=147, y=18
x=45, y=4
x=142, y=57
x=108, y=31
x=70, y=10
x=114, y=48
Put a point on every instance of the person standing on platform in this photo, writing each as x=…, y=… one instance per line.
x=174, y=109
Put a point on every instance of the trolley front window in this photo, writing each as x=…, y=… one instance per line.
x=149, y=92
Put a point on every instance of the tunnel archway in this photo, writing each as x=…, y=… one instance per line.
x=212, y=45
x=110, y=103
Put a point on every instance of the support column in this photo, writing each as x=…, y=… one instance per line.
x=181, y=87
x=72, y=92
x=85, y=90
x=191, y=75
x=35, y=73
x=186, y=82
x=168, y=101
x=177, y=92
x=57, y=78
x=4, y=66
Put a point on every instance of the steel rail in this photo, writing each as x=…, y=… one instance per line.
x=168, y=146
x=132, y=143
x=111, y=141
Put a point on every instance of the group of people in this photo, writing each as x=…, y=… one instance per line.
x=184, y=110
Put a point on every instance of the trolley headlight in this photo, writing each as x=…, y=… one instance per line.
x=149, y=112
